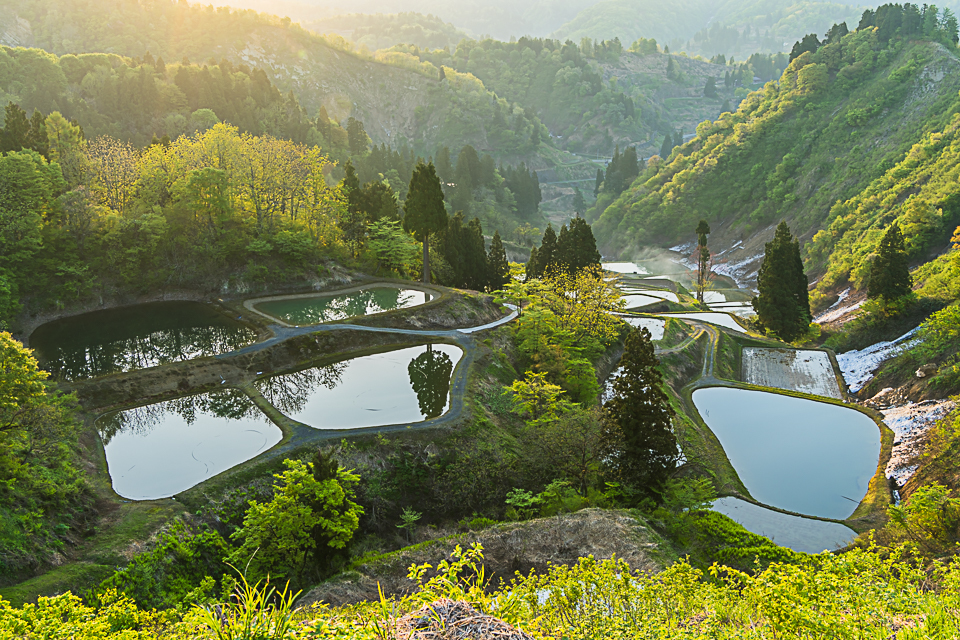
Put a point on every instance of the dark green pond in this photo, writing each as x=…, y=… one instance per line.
x=401, y=386
x=136, y=337
x=161, y=449
x=307, y=310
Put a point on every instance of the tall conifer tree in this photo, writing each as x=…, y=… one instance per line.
x=703, y=258
x=782, y=303
x=890, y=272
x=497, y=263
x=641, y=448
x=423, y=210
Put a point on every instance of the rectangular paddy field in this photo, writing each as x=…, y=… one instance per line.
x=807, y=371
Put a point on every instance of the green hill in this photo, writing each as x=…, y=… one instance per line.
x=401, y=102
x=838, y=119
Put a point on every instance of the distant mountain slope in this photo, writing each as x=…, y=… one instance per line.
x=398, y=105
x=838, y=119
x=382, y=31
x=711, y=27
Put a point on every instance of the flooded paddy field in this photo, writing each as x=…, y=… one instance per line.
x=719, y=319
x=159, y=450
x=799, y=455
x=136, y=337
x=656, y=326
x=309, y=309
x=401, y=386
x=793, y=532
x=808, y=371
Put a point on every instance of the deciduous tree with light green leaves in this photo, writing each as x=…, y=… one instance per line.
x=281, y=537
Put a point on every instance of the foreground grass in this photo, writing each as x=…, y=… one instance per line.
x=860, y=594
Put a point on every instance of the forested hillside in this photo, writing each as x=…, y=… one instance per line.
x=400, y=100
x=841, y=116
x=709, y=27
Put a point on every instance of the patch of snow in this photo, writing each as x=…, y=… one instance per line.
x=737, y=244
x=843, y=296
x=686, y=247
x=858, y=366
x=714, y=297
x=830, y=316
x=910, y=423
x=738, y=270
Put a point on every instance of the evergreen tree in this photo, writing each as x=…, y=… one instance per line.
x=782, y=302
x=16, y=129
x=579, y=205
x=444, y=165
x=353, y=221
x=530, y=271
x=890, y=273
x=703, y=259
x=666, y=147
x=710, y=88
x=423, y=209
x=598, y=183
x=576, y=246
x=549, y=254
x=497, y=265
x=357, y=137
x=640, y=445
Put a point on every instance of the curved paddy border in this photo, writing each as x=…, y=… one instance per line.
x=297, y=435
x=873, y=505
x=437, y=295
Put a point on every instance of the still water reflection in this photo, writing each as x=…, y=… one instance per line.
x=137, y=337
x=404, y=385
x=795, y=454
x=309, y=310
x=162, y=449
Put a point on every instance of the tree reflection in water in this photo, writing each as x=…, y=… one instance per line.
x=430, y=379
x=228, y=403
x=138, y=337
x=290, y=393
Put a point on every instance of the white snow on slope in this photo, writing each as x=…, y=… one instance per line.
x=858, y=366
x=910, y=422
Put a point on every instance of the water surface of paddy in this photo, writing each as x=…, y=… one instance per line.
x=136, y=337
x=799, y=534
x=159, y=450
x=401, y=386
x=316, y=309
x=795, y=454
